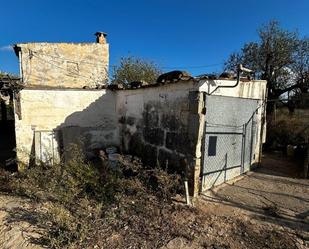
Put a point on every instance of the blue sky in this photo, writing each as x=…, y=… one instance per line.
x=196, y=35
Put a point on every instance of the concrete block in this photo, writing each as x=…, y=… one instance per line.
x=194, y=125
x=170, y=122
x=171, y=161
x=178, y=141
x=150, y=155
x=154, y=135
x=151, y=115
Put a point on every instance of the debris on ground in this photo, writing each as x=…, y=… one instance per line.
x=126, y=206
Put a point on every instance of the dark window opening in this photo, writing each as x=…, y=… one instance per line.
x=212, y=146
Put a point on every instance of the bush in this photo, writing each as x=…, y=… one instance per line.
x=284, y=131
x=5, y=183
x=135, y=69
x=84, y=200
x=63, y=182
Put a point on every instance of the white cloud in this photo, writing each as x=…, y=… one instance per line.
x=6, y=48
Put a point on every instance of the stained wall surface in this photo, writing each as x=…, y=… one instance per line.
x=254, y=89
x=154, y=124
x=63, y=65
x=163, y=125
x=68, y=116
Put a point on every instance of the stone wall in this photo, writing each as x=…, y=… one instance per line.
x=161, y=126
x=154, y=123
x=69, y=116
x=63, y=65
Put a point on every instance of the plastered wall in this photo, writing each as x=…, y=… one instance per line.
x=63, y=65
x=245, y=89
x=70, y=115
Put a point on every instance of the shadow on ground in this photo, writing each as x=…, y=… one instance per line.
x=273, y=193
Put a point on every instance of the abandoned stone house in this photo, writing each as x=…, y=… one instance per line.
x=210, y=128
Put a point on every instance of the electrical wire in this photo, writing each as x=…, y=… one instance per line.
x=98, y=63
x=202, y=66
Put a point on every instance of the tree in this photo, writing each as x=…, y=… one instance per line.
x=301, y=65
x=279, y=56
x=135, y=69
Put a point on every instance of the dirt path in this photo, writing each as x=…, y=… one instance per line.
x=271, y=196
x=15, y=231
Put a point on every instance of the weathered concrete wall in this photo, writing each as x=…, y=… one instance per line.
x=64, y=65
x=89, y=115
x=245, y=89
x=164, y=125
x=154, y=123
x=161, y=125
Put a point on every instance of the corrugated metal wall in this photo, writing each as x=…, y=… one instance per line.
x=230, y=138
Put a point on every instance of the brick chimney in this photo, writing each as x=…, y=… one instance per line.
x=101, y=37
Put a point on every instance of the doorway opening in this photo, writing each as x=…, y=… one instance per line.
x=7, y=125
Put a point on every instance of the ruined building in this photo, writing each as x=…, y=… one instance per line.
x=7, y=131
x=208, y=129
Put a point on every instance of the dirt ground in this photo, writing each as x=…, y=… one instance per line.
x=267, y=208
x=272, y=196
x=16, y=232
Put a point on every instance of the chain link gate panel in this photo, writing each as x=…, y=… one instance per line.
x=230, y=138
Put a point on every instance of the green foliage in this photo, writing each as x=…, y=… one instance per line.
x=301, y=65
x=135, y=69
x=2, y=73
x=278, y=56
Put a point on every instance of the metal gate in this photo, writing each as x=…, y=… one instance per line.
x=230, y=138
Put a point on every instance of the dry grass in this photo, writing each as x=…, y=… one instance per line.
x=285, y=130
x=83, y=204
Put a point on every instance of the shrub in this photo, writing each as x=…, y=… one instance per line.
x=285, y=130
x=135, y=69
x=82, y=200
